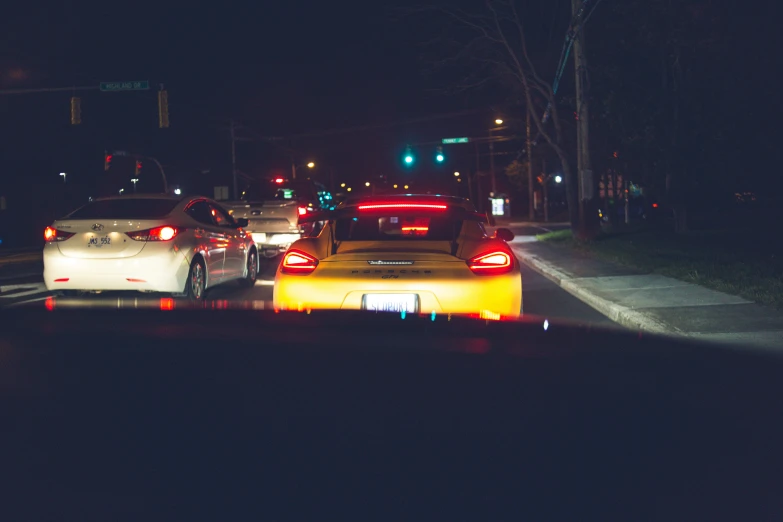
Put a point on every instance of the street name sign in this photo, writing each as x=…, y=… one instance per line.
x=447, y=141
x=125, y=86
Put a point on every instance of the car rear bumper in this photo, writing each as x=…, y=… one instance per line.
x=157, y=269
x=466, y=293
x=271, y=244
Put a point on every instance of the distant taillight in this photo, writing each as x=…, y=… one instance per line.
x=164, y=233
x=298, y=262
x=302, y=211
x=491, y=263
x=52, y=234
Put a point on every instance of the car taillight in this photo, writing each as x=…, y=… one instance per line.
x=52, y=234
x=491, y=263
x=164, y=233
x=302, y=211
x=403, y=206
x=297, y=262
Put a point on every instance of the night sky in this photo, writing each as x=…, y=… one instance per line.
x=280, y=68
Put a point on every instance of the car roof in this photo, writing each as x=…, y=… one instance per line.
x=423, y=198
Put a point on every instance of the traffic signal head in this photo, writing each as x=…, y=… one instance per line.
x=138, y=167
x=76, y=111
x=439, y=157
x=106, y=161
x=163, y=109
x=408, y=157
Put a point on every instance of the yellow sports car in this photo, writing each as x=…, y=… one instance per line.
x=406, y=254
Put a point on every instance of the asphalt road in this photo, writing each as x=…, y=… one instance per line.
x=20, y=284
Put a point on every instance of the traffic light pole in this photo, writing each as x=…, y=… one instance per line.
x=53, y=89
x=136, y=157
x=234, y=161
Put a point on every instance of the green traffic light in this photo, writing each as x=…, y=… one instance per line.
x=440, y=158
x=408, y=159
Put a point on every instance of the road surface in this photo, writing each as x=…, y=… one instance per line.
x=20, y=283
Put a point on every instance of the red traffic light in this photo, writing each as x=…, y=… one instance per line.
x=107, y=162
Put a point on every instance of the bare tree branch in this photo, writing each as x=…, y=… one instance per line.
x=523, y=40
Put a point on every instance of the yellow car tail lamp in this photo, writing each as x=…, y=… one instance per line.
x=491, y=263
x=298, y=262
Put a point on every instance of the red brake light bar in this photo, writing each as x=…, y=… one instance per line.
x=279, y=180
x=403, y=206
x=491, y=263
x=52, y=234
x=164, y=233
x=302, y=211
x=298, y=262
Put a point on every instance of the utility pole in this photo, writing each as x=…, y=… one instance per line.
x=588, y=216
x=492, y=163
x=234, y=160
x=546, y=190
x=479, y=202
x=529, y=145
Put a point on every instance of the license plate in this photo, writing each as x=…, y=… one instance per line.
x=391, y=302
x=99, y=241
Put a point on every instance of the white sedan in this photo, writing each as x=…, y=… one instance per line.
x=154, y=243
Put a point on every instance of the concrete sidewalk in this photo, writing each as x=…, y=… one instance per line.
x=652, y=302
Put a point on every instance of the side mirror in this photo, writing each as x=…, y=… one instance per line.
x=504, y=234
x=241, y=222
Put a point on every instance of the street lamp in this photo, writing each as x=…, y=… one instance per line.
x=294, y=166
x=558, y=179
x=342, y=185
x=348, y=189
x=366, y=183
x=405, y=187
x=456, y=174
x=177, y=191
x=395, y=185
x=63, y=174
x=134, y=181
x=498, y=121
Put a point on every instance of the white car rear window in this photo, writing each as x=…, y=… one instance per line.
x=125, y=209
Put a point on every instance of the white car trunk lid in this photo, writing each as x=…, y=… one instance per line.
x=102, y=239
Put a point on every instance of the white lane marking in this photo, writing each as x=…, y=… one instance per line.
x=28, y=301
x=30, y=289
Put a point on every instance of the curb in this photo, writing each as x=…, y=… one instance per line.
x=622, y=315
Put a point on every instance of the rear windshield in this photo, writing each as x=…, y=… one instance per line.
x=391, y=228
x=125, y=209
x=271, y=191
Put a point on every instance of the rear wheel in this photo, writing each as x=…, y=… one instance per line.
x=252, y=270
x=197, y=281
